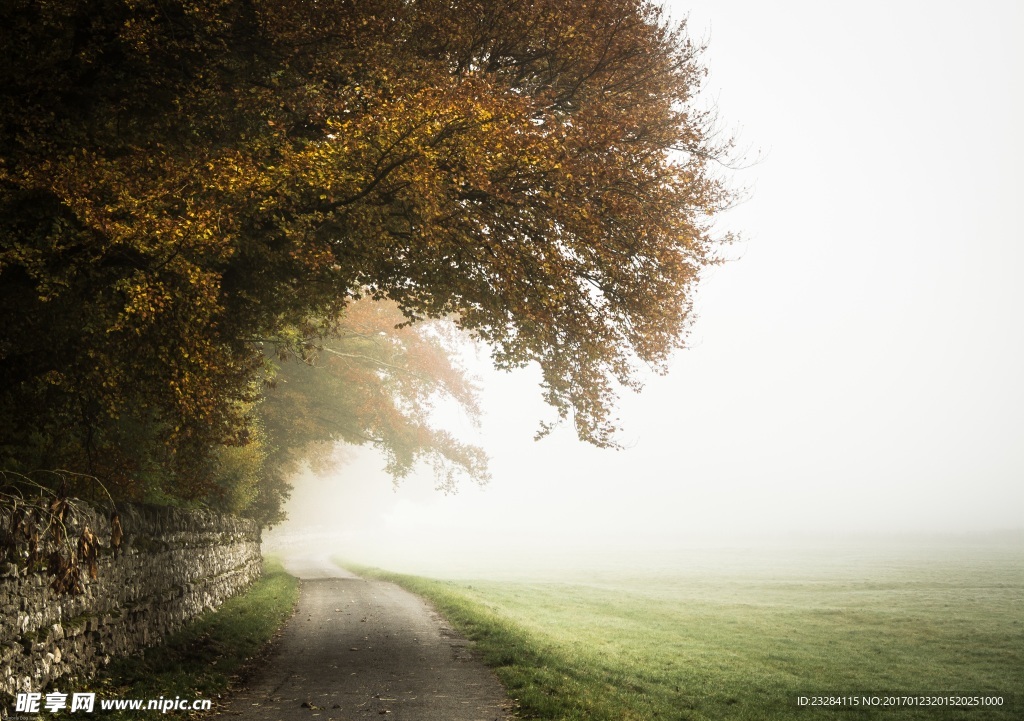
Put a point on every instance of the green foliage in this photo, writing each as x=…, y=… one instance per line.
x=239, y=470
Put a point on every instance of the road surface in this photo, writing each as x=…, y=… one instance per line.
x=359, y=649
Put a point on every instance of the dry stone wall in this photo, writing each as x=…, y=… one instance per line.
x=173, y=566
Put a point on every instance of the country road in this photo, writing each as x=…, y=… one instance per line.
x=359, y=648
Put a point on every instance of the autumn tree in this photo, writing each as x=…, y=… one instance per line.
x=182, y=182
x=369, y=384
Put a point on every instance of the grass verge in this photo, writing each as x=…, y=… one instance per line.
x=202, y=659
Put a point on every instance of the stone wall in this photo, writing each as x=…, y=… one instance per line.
x=173, y=566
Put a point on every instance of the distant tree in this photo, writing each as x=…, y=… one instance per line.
x=182, y=182
x=370, y=384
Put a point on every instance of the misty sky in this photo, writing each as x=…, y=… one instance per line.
x=857, y=367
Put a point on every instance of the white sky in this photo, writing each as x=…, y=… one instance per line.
x=857, y=368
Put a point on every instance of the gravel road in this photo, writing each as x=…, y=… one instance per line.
x=359, y=648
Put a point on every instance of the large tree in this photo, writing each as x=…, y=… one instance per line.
x=185, y=181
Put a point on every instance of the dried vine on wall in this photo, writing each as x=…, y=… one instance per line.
x=36, y=530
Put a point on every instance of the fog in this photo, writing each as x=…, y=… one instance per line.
x=854, y=371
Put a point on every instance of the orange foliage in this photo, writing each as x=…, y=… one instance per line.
x=373, y=383
x=182, y=182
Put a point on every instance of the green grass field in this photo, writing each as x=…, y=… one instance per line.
x=743, y=636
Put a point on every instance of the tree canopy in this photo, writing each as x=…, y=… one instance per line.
x=185, y=184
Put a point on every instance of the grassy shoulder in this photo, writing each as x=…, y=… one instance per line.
x=749, y=646
x=200, y=660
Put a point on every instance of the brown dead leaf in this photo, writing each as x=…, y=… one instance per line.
x=116, y=532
